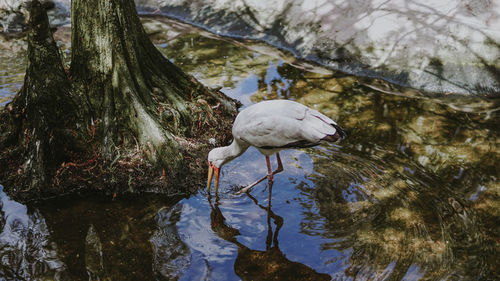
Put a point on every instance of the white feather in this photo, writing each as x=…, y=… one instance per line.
x=278, y=123
x=272, y=126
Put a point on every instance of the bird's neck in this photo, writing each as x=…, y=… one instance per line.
x=233, y=150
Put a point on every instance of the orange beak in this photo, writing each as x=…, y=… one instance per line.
x=211, y=170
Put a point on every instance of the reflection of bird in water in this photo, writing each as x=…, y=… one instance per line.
x=270, y=264
x=271, y=126
x=218, y=223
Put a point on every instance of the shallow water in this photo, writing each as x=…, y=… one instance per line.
x=11, y=73
x=412, y=194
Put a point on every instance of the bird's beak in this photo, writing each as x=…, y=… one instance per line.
x=211, y=170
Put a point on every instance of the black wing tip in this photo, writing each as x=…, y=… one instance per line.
x=339, y=134
x=343, y=133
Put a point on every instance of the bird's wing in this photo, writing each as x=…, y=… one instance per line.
x=269, y=131
x=317, y=126
x=312, y=126
x=281, y=123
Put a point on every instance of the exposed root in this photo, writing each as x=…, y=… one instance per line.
x=65, y=166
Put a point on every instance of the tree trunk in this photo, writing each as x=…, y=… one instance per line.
x=39, y=129
x=126, y=113
x=129, y=85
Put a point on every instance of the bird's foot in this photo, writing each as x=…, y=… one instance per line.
x=278, y=170
x=246, y=189
x=269, y=177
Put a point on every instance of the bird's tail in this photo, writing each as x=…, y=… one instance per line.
x=339, y=134
x=342, y=132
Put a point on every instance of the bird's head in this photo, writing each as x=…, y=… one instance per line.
x=216, y=157
x=215, y=161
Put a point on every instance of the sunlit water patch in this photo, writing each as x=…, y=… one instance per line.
x=12, y=66
x=413, y=193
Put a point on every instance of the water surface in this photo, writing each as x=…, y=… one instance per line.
x=412, y=194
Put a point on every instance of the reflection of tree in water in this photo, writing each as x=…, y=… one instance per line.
x=25, y=250
x=171, y=256
x=74, y=238
x=396, y=191
x=110, y=240
x=392, y=220
x=270, y=264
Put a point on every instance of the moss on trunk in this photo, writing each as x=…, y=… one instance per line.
x=125, y=116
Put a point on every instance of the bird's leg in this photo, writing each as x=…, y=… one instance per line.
x=269, y=197
x=280, y=165
x=269, y=237
x=279, y=169
x=245, y=189
x=269, y=170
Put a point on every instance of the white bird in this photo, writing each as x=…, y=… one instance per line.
x=271, y=126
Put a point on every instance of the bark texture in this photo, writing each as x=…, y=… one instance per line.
x=38, y=129
x=132, y=90
x=124, y=116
